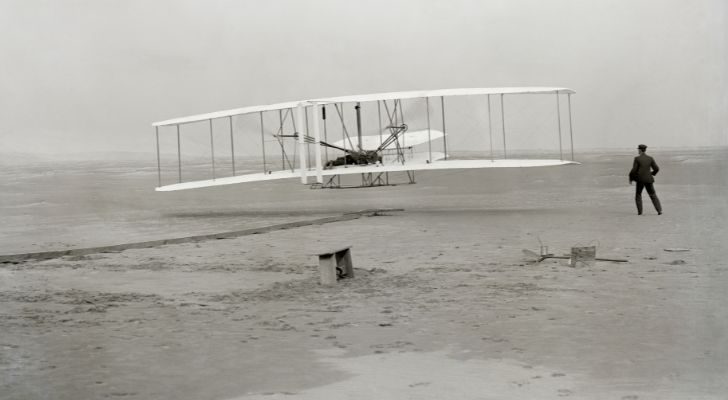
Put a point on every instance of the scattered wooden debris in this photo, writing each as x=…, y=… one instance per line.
x=583, y=256
x=540, y=257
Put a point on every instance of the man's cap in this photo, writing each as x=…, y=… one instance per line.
x=642, y=147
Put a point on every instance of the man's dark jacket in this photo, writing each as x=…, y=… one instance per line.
x=643, y=169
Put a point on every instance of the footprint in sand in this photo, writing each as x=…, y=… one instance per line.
x=564, y=392
x=277, y=393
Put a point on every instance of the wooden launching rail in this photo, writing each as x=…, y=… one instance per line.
x=21, y=257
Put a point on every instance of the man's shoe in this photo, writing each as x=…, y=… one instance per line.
x=659, y=213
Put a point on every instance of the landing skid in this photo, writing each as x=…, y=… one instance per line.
x=368, y=179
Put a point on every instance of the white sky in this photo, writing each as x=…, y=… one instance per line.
x=79, y=76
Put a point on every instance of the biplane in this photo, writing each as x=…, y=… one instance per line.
x=370, y=148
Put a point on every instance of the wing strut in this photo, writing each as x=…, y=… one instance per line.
x=379, y=120
x=232, y=144
x=301, y=144
x=280, y=142
x=571, y=131
x=558, y=118
x=212, y=151
x=317, y=149
x=490, y=129
x=357, y=107
x=159, y=163
x=179, y=156
x=429, y=134
x=503, y=123
x=444, y=132
x=262, y=141
x=326, y=133
x=307, y=133
x=295, y=129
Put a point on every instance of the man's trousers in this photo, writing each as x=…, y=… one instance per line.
x=653, y=196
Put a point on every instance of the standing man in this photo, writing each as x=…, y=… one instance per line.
x=643, y=171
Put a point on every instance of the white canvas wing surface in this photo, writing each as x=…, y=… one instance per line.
x=441, y=93
x=365, y=98
x=364, y=169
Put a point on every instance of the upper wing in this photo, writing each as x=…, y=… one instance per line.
x=228, y=113
x=440, y=93
x=365, y=98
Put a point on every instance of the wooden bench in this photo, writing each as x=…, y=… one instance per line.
x=335, y=265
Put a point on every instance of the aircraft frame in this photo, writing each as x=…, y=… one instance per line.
x=361, y=160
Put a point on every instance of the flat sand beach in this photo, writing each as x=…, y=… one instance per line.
x=444, y=303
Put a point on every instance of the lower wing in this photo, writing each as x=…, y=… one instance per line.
x=411, y=165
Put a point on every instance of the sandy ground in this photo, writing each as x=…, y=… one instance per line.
x=444, y=305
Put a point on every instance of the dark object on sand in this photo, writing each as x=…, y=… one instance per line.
x=540, y=257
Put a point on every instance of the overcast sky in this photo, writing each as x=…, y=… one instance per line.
x=93, y=75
